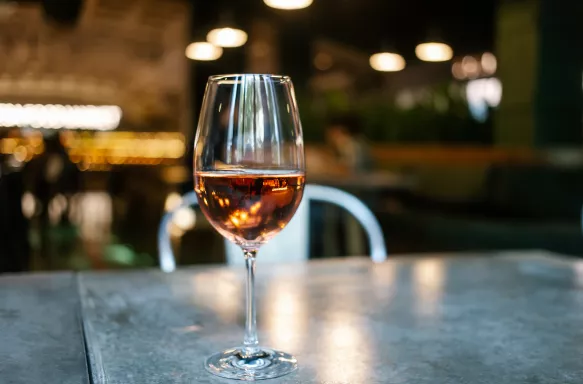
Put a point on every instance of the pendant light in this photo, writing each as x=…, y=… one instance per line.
x=434, y=49
x=227, y=35
x=387, y=60
x=288, y=4
x=203, y=51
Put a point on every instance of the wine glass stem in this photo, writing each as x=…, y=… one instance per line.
x=250, y=342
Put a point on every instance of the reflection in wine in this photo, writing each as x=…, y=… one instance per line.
x=249, y=208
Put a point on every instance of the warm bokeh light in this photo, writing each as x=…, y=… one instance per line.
x=184, y=218
x=57, y=208
x=203, y=51
x=20, y=153
x=489, y=63
x=29, y=205
x=433, y=51
x=288, y=4
x=54, y=116
x=470, y=67
x=323, y=61
x=104, y=149
x=22, y=149
x=227, y=37
x=173, y=200
x=387, y=62
x=457, y=71
x=474, y=66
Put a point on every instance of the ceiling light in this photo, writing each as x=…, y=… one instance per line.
x=203, y=51
x=227, y=37
x=433, y=51
x=288, y=4
x=387, y=62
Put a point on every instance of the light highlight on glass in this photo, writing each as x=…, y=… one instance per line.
x=52, y=116
x=227, y=37
x=434, y=52
x=288, y=4
x=387, y=62
x=203, y=51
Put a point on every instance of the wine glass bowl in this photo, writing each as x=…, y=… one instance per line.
x=249, y=177
x=249, y=208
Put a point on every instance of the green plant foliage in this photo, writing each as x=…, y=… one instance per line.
x=437, y=115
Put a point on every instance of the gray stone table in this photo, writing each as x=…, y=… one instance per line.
x=41, y=338
x=484, y=318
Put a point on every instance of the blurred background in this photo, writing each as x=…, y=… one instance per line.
x=458, y=123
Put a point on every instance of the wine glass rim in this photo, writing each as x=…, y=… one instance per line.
x=236, y=76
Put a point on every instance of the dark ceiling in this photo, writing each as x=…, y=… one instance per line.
x=467, y=25
x=365, y=24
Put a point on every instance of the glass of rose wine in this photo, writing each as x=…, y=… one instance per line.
x=249, y=178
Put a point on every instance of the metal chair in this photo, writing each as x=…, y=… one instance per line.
x=294, y=238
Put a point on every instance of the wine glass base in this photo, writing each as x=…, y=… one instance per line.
x=263, y=364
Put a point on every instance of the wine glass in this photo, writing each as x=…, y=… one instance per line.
x=249, y=178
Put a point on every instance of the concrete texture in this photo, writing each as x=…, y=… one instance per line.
x=40, y=330
x=500, y=318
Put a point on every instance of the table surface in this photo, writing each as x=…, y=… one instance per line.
x=507, y=317
x=41, y=339
x=483, y=318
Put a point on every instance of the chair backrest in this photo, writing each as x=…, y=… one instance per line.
x=292, y=244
